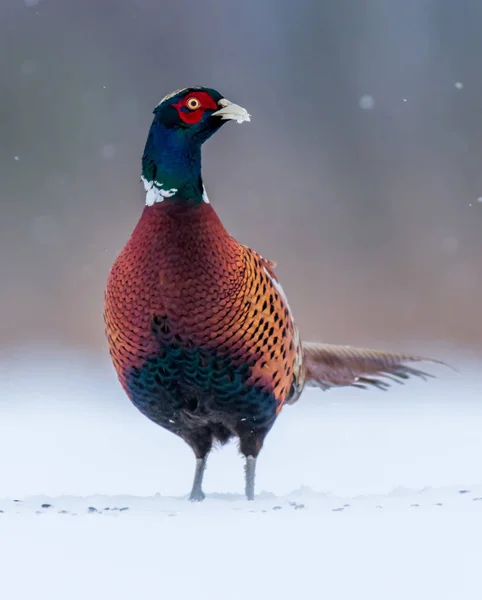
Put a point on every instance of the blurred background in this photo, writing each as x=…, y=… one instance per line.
x=360, y=173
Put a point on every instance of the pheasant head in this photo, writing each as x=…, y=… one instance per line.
x=183, y=121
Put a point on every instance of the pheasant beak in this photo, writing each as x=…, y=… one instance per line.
x=231, y=111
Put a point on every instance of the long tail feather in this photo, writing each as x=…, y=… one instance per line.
x=331, y=366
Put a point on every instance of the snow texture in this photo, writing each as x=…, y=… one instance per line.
x=360, y=494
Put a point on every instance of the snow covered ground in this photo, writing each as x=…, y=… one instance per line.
x=361, y=494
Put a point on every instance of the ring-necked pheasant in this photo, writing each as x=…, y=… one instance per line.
x=199, y=329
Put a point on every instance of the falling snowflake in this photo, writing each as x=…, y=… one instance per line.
x=459, y=85
x=366, y=102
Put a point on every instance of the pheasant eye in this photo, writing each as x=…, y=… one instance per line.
x=193, y=103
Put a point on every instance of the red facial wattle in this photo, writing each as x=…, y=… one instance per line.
x=189, y=116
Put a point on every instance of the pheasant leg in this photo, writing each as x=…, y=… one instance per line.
x=250, y=471
x=197, y=494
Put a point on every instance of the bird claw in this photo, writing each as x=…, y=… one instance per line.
x=197, y=496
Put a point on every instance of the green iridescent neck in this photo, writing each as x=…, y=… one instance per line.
x=171, y=166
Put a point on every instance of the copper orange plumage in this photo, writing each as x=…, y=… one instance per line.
x=199, y=329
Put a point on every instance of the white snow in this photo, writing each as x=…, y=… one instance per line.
x=361, y=494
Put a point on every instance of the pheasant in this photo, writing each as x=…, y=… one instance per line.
x=199, y=329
